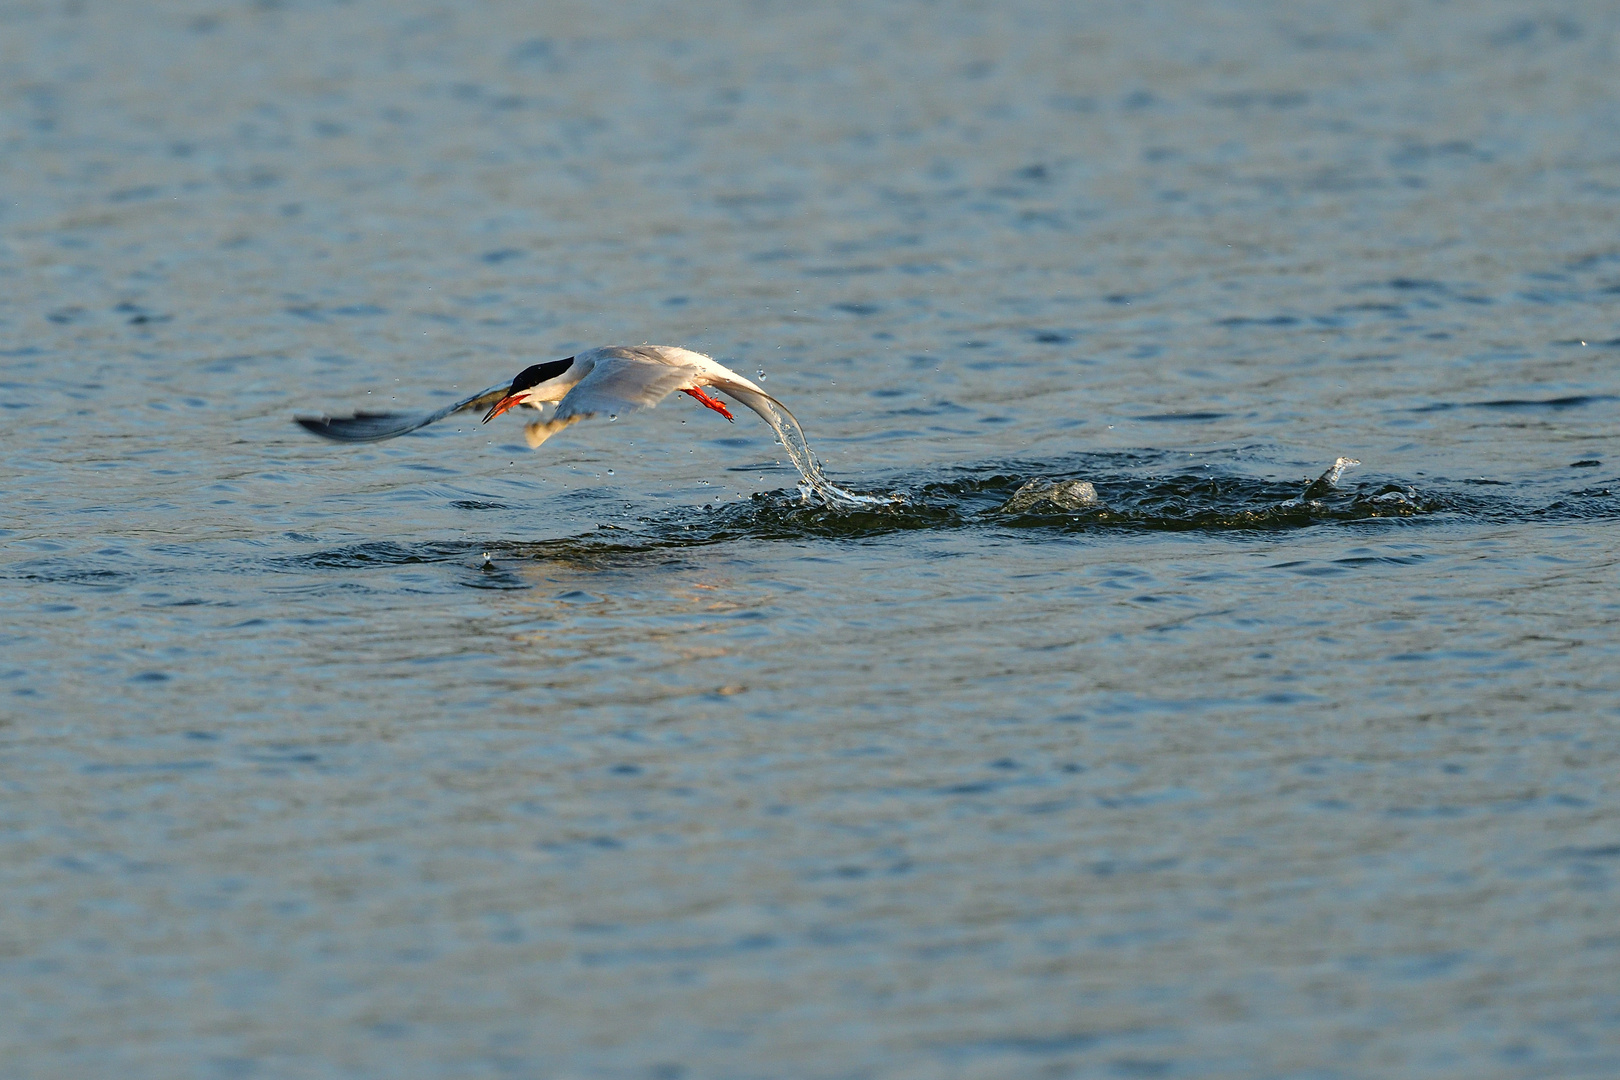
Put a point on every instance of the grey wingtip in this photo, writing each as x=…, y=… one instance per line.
x=319, y=425
x=361, y=427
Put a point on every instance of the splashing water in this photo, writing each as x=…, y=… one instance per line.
x=1042, y=494
x=1325, y=483
x=816, y=487
x=1035, y=497
x=1132, y=494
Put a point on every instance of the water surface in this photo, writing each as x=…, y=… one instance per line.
x=442, y=758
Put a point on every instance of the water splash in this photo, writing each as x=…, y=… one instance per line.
x=1325, y=484
x=816, y=489
x=1124, y=493
x=1041, y=494
x=1127, y=492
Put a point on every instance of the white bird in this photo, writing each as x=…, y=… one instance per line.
x=611, y=380
x=614, y=380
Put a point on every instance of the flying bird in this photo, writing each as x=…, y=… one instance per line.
x=610, y=381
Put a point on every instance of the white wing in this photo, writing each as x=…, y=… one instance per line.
x=376, y=426
x=618, y=385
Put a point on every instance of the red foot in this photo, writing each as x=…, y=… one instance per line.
x=719, y=407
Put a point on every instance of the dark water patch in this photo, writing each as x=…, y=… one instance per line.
x=283, y=755
x=857, y=309
x=1244, y=320
x=136, y=315
x=134, y=194
x=67, y=572
x=1036, y=1045
x=1376, y=560
x=1591, y=504
x=1533, y=32
x=145, y=767
x=1515, y=404
x=1264, y=99
x=1603, y=851
x=1181, y=417
x=491, y=575
x=1411, y=292
x=1416, y=154
x=228, y=365
x=374, y=554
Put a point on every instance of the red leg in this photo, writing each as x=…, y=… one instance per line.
x=719, y=407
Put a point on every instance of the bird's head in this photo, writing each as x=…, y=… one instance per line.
x=533, y=385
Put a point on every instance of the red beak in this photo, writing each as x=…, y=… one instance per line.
x=507, y=402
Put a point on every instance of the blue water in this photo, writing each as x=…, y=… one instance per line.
x=444, y=758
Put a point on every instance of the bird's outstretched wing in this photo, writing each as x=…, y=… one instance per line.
x=377, y=426
x=618, y=385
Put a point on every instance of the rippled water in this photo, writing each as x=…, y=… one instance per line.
x=439, y=757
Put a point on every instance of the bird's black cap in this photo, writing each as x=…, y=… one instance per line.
x=539, y=373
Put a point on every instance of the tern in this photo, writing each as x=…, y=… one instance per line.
x=612, y=381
